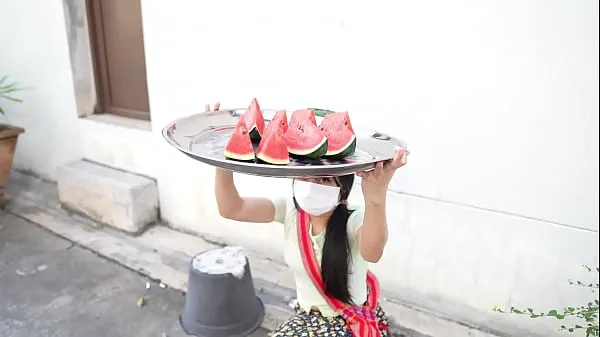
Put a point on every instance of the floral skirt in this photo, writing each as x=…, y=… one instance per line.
x=313, y=324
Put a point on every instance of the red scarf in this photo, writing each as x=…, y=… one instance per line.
x=361, y=320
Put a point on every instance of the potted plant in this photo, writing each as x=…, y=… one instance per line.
x=8, y=134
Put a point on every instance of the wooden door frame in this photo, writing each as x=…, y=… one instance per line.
x=100, y=66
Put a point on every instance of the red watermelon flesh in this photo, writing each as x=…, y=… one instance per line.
x=341, y=140
x=254, y=121
x=303, y=115
x=273, y=148
x=303, y=137
x=279, y=118
x=240, y=145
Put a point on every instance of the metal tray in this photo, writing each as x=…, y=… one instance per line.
x=203, y=137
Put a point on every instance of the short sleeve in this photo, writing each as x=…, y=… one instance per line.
x=355, y=221
x=280, y=209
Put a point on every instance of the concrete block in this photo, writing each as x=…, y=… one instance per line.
x=116, y=198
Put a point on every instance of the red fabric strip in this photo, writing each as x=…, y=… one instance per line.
x=362, y=320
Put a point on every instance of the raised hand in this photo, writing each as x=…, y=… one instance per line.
x=216, y=108
x=375, y=182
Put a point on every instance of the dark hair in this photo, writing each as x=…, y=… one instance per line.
x=336, y=249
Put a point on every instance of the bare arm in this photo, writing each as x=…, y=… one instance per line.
x=373, y=234
x=234, y=207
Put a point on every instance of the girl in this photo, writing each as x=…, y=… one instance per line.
x=328, y=245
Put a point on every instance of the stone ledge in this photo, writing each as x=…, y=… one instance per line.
x=116, y=198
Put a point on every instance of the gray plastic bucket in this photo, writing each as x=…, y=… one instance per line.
x=220, y=304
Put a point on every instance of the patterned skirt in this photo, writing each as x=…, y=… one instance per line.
x=313, y=324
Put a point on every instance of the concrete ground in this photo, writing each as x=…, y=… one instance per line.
x=162, y=253
x=52, y=287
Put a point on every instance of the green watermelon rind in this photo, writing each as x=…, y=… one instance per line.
x=321, y=112
x=346, y=151
x=263, y=159
x=312, y=153
x=249, y=157
x=238, y=135
x=276, y=129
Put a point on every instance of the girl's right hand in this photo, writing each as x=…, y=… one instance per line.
x=207, y=107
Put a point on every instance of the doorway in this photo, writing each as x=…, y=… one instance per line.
x=119, y=58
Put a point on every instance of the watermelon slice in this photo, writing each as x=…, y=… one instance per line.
x=272, y=148
x=254, y=120
x=302, y=115
x=279, y=118
x=341, y=139
x=303, y=137
x=240, y=145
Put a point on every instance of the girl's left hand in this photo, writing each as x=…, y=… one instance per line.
x=375, y=182
x=216, y=108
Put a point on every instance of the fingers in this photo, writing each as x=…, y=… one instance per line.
x=363, y=174
x=375, y=173
x=383, y=172
x=400, y=159
x=404, y=159
x=207, y=107
x=378, y=170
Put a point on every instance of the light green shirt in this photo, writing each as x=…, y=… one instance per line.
x=307, y=294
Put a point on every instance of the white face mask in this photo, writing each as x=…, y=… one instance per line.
x=316, y=199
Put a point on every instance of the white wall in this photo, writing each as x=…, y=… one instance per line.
x=35, y=53
x=491, y=96
x=498, y=101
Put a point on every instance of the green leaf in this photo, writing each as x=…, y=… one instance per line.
x=584, y=313
x=591, y=331
x=14, y=99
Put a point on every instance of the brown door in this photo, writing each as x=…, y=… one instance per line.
x=120, y=66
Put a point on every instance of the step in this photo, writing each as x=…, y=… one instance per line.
x=119, y=199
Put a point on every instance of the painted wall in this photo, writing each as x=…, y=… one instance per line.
x=498, y=102
x=35, y=53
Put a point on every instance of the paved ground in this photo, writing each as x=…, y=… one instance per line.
x=49, y=287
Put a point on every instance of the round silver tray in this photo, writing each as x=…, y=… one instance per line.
x=203, y=137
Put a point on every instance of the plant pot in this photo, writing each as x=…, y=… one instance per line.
x=222, y=301
x=8, y=144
